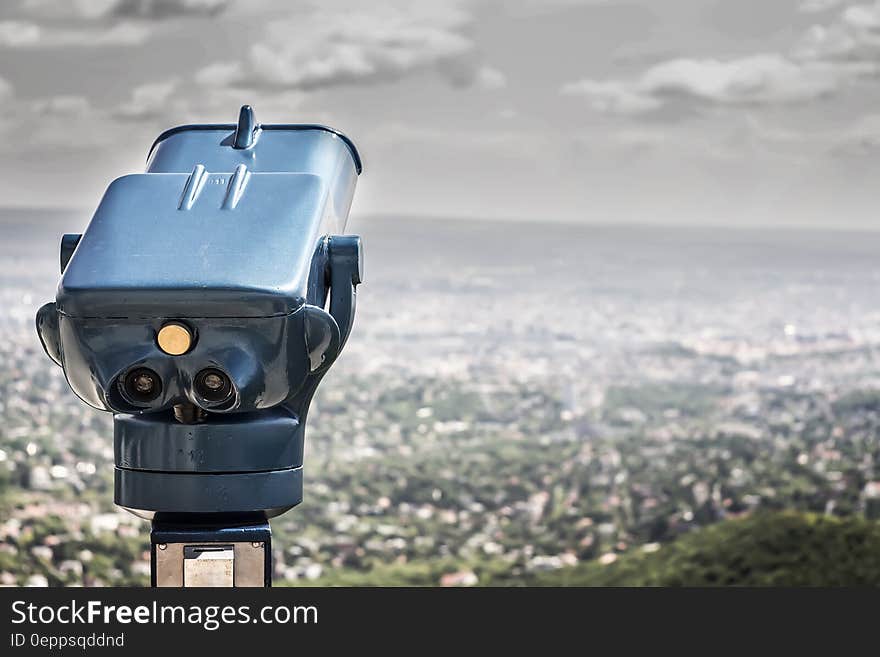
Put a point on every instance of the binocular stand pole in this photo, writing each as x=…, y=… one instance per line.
x=187, y=551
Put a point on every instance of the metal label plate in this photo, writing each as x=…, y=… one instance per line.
x=208, y=565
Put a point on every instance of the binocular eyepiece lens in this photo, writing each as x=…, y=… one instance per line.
x=213, y=381
x=144, y=383
x=213, y=386
x=141, y=385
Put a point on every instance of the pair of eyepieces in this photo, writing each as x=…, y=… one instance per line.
x=142, y=385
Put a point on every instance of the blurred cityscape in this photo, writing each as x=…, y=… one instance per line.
x=515, y=398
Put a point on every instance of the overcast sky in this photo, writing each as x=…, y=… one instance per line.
x=728, y=112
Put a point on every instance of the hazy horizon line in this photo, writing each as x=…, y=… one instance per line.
x=554, y=221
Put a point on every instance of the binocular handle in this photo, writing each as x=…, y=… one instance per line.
x=48, y=331
x=346, y=263
x=326, y=333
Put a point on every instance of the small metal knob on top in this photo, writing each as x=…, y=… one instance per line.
x=174, y=338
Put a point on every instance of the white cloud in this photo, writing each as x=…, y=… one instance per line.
x=5, y=89
x=359, y=47
x=613, y=96
x=147, y=101
x=818, y=6
x=853, y=35
x=88, y=9
x=489, y=78
x=26, y=34
x=753, y=80
x=529, y=8
x=862, y=17
x=861, y=138
x=95, y=23
x=831, y=55
x=142, y=9
x=65, y=105
x=221, y=74
x=19, y=34
x=386, y=41
x=160, y=9
x=765, y=78
x=51, y=120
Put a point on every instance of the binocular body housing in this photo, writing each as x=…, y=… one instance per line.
x=203, y=304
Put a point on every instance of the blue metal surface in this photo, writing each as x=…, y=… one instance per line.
x=265, y=493
x=149, y=442
x=268, y=358
x=281, y=148
x=234, y=232
x=146, y=252
x=286, y=127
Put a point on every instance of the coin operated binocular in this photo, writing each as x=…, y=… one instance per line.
x=202, y=306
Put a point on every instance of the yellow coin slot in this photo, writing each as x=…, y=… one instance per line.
x=175, y=339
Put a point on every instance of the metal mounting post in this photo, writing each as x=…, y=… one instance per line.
x=205, y=552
